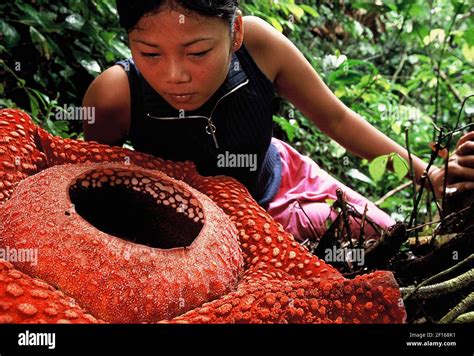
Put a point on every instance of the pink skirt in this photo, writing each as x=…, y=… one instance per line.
x=300, y=204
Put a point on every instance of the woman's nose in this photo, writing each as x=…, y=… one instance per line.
x=177, y=73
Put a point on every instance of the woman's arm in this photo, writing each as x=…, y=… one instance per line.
x=297, y=81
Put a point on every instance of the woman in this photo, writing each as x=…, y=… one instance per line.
x=200, y=87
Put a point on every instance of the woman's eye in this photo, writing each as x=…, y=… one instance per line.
x=200, y=54
x=150, y=55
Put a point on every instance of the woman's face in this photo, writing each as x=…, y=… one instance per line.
x=185, y=58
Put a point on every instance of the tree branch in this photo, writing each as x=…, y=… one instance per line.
x=435, y=290
x=463, y=306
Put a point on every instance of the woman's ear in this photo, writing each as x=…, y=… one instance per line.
x=238, y=38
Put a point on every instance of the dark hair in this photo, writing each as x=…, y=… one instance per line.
x=131, y=11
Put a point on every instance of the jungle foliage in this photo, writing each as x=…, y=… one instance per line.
x=401, y=64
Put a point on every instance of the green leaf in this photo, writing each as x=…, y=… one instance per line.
x=61, y=128
x=396, y=127
x=66, y=72
x=108, y=36
x=359, y=5
x=365, y=80
x=44, y=99
x=356, y=174
x=308, y=9
x=468, y=52
x=328, y=222
x=40, y=41
x=336, y=149
x=109, y=56
x=416, y=10
x=122, y=50
x=32, y=14
x=34, y=105
x=275, y=23
x=330, y=202
x=296, y=10
x=290, y=130
x=340, y=91
x=437, y=34
x=10, y=34
x=42, y=19
x=469, y=36
x=378, y=167
x=2, y=88
x=91, y=65
x=75, y=21
x=7, y=103
x=400, y=166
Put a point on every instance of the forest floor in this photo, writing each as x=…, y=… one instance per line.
x=434, y=268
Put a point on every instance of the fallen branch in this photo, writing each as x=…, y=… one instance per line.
x=463, y=306
x=438, y=276
x=465, y=318
x=342, y=203
x=362, y=226
x=437, y=241
x=435, y=290
x=386, y=247
x=456, y=249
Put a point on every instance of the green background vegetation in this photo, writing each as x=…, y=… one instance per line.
x=405, y=63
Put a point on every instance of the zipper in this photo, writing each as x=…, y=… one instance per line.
x=210, y=127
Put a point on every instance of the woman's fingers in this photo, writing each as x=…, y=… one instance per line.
x=465, y=148
x=459, y=187
x=466, y=161
x=467, y=137
x=455, y=170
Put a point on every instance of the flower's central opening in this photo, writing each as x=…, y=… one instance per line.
x=138, y=208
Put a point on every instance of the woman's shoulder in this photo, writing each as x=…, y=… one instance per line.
x=109, y=95
x=258, y=38
x=114, y=77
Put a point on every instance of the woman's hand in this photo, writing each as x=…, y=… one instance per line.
x=460, y=169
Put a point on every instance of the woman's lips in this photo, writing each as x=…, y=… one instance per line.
x=181, y=98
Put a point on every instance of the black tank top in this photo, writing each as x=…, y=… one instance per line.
x=226, y=136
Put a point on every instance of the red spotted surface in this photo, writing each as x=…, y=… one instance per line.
x=135, y=282
x=281, y=281
x=24, y=299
